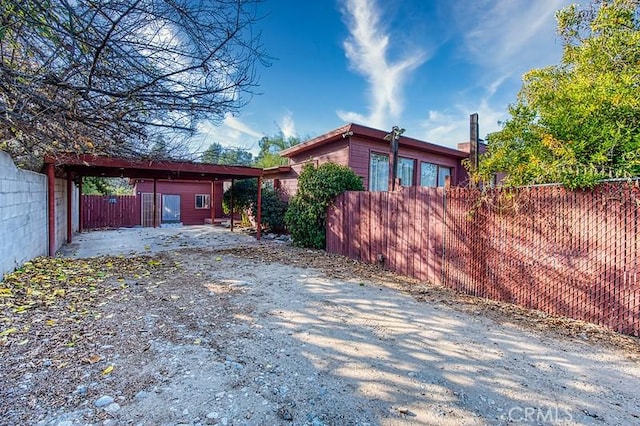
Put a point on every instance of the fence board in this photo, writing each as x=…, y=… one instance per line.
x=111, y=211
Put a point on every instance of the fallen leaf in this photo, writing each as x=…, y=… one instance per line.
x=93, y=359
x=8, y=331
x=107, y=370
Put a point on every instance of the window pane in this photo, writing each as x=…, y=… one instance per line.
x=443, y=172
x=202, y=201
x=378, y=172
x=405, y=171
x=428, y=174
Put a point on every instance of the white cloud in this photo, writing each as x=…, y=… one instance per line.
x=504, y=39
x=367, y=50
x=504, y=35
x=287, y=125
x=451, y=127
x=234, y=123
x=230, y=133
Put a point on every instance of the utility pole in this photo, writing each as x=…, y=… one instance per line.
x=394, y=141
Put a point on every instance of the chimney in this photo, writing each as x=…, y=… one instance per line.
x=474, y=142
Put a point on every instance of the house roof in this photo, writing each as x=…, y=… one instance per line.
x=95, y=165
x=276, y=171
x=365, y=132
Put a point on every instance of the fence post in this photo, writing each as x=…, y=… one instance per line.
x=443, y=267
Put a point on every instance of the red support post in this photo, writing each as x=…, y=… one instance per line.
x=231, y=202
x=80, y=205
x=259, y=215
x=155, y=207
x=51, y=199
x=212, y=202
x=69, y=207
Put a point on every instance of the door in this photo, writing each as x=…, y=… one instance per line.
x=147, y=209
x=170, y=208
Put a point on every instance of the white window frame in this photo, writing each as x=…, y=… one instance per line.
x=206, y=204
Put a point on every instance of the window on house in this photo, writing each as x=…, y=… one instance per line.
x=433, y=174
x=443, y=172
x=404, y=171
x=428, y=174
x=202, y=201
x=378, y=172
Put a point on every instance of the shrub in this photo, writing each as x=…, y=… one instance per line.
x=245, y=196
x=273, y=210
x=306, y=217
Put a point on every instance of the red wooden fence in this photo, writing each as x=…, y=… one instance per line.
x=401, y=229
x=567, y=253
x=110, y=211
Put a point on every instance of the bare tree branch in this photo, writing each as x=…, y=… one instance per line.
x=104, y=75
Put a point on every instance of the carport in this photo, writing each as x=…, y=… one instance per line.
x=73, y=167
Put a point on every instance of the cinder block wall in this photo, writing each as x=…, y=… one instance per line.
x=23, y=215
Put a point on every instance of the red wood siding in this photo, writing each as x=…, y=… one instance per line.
x=104, y=211
x=569, y=253
x=335, y=152
x=187, y=190
x=360, y=150
x=354, y=151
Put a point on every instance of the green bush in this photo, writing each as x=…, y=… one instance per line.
x=245, y=196
x=273, y=209
x=306, y=217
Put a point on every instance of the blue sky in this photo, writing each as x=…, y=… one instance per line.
x=424, y=65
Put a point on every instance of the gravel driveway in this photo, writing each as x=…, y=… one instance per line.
x=269, y=335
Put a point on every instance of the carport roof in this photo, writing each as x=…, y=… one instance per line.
x=95, y=165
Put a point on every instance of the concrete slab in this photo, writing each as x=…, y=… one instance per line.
x=136, y=241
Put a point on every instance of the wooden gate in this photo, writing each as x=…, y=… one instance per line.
x=109, y=211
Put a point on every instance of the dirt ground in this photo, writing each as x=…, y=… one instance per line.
x=269, y=334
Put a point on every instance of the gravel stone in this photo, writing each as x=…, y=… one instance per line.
x=103, y=401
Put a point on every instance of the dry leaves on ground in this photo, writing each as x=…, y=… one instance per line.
x=48, y=301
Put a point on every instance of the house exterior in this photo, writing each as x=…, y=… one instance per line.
x=367, y=153
x=180, y=201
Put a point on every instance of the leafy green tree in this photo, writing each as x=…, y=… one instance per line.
x=306, y=217
x=577, y=122
x=270, y=147
x=217, y=154
x=106, y=186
